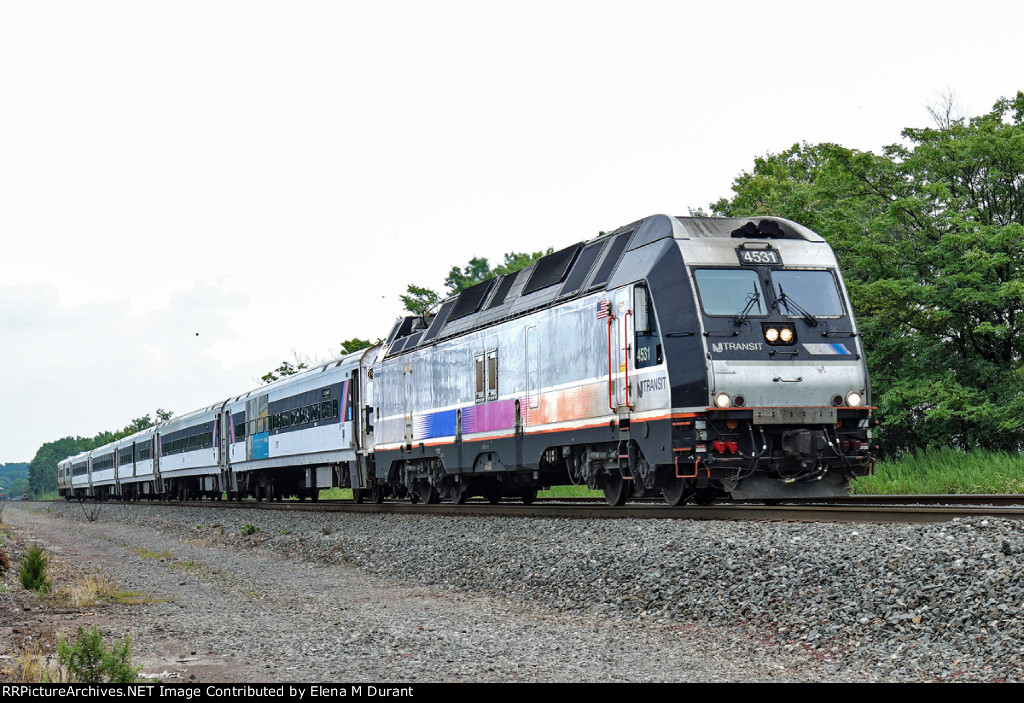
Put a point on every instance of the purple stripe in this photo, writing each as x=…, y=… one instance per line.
x=488, y=417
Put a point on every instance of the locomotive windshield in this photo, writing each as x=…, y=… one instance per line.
x=811, y=292
x=730, y=291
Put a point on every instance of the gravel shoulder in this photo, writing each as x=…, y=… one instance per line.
x=338, y=597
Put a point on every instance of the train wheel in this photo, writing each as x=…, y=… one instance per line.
x=427, y=493
x=528, y=495
x=676, y=492
x=358, y=495
x=616, y=489
x=457, y=493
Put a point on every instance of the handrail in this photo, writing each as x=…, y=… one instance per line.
x=625, y=351
x=611, y=381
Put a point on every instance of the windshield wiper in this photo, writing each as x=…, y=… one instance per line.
x=752, y=299
x=792, y=305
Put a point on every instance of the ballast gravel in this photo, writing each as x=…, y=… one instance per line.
x=394, y=597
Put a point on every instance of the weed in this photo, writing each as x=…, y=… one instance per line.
x=89, y=661
x=341, y=548
x=5, y=562
x=200, y=527
x=150, y=554
x=249, y=529
x=133, y=598
x=33, y=570
x=87, y=591
x=188, y=565
x=32, y=667
x=91, y=511
x=283, y=531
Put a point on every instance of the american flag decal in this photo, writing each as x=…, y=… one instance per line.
x=603, y=310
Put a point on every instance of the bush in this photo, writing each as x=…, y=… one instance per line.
x=33, y=570
x=249, y=529
x=89, y=661
x=5, y=562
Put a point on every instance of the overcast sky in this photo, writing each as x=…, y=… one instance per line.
x=191, y=192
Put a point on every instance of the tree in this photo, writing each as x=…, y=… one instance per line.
x=931, y=244
x=42, y=470
x=476, y=271
x=355, y=344
x=285, y=369
x=421, y=301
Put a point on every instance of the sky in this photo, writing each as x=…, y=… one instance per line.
x=193, y=192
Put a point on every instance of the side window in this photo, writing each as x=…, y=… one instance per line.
x=646, y=340
x=480, y=378
x=492, y=375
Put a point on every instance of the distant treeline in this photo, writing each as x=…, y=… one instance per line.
x=42, y=470
x=14, y=479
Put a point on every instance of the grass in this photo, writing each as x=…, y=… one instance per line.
x=32, y=666
x=94, y=589
x=946, y=472
x=150, y=554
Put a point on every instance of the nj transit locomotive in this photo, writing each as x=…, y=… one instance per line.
x=684, y=357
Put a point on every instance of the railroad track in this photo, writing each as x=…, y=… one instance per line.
x=878, y=509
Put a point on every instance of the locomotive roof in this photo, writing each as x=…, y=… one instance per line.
x=580, y=269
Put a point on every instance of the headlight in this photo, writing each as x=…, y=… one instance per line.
x=722, y=400
x=786, y=334
x=853, y=399
x=771, y=334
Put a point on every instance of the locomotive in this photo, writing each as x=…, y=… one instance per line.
x=682, y=357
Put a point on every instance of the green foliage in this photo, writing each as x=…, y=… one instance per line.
x=478, y=269
x=354, y=345
x=42, y=470
x=474, y=272
x=285, y=369
x=9, y=473
x=89, y=660
x=946, y=471
x=418, y=300
x=249, y=529
x=421, y=301
x=32, y=573
x=930, y=241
